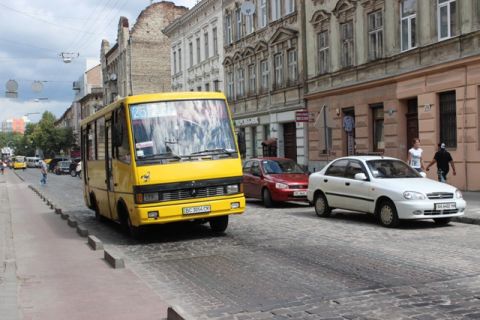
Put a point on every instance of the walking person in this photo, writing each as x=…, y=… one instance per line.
x=415, y=156
x=43, y=170
x=442, y=158
x=3, y=165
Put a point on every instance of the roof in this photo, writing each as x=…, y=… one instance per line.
x=367, y=158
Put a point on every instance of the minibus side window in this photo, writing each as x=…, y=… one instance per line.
x=123, y=148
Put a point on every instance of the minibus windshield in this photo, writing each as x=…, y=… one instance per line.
x=182, y=129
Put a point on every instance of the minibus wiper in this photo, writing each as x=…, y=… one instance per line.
x=218, y=150
x=166, y=155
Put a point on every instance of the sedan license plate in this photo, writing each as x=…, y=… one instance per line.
x=446, y=206
x=196, y=210
x=299, y=193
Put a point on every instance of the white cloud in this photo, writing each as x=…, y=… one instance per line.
x=12, y=108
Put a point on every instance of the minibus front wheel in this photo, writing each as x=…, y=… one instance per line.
x=219, y=224
x=133, y=231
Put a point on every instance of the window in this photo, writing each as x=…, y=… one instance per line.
x=179, y=59
x=230, y=85
x=228, y=29
x=264, y=72
x=100, y=138
x=238, y=29
x=337, y=169
x=122, y=150
x=378, y=140
x=207, y=86
x=91, y=142
x=255, y=169
x=346, y=38
x=262, y=13
x=249, y=24
x=375, y=35
x=216, y=86
x=292, y=66
x=447, y=19
x=190, y=47
x=199, y=58
x=448, y=119
x=353, y=168
x=174, y=62
x=199, y=88
x=278, y=67
x=240, y=82
x=275, y=7
x=289, y=6
x=252, y=79
x=323, y=58
x=215, y=41
x=247, y=166
x=205, y=43
x=266, y=131
x=408, y=27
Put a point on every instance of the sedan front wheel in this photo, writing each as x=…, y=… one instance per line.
x=322, y=209
x=387, y=214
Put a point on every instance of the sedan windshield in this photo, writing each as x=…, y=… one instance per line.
x=281, y=166
x=178, y=129
x=391, y=169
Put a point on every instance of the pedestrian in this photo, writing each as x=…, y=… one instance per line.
x=415, y=156
x=442, y=158
x=2, y=166
x=43, y=170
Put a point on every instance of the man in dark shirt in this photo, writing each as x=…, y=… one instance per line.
x=442, y=158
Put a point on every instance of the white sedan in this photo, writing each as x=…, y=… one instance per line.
x=386, y=187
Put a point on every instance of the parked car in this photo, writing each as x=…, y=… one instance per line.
x=53, y=162
x=386, y=187
x=274, y=179
x=62, y=167
x=33, y=162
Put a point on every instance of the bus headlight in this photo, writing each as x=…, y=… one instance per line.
x=233, y=188
x=150, y=197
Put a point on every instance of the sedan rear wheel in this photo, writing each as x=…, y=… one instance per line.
x=387, y=214
x=322, y=209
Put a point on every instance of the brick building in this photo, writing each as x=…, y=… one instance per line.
x=388, y=71
x=139, y=62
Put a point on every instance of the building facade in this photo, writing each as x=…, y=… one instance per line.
x=197, y=48
x=16, y=125
x=264, y=75
x=381, y=73
x=139, y=62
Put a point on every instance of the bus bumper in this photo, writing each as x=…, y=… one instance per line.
x=145, y=215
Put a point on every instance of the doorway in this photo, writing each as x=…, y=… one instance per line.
x=290, y=140
x=412, y=121
x=349, y=128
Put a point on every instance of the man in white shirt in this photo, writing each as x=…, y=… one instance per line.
x=415, y=156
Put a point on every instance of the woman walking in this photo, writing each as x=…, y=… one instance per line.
x=415, y=156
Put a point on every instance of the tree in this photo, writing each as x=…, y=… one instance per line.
x=49, y=138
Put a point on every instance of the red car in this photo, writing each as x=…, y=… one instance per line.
x=274, y=179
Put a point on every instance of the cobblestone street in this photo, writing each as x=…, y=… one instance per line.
x=286, y=263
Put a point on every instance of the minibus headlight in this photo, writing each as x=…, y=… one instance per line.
x=150, y=197
x=233, y=188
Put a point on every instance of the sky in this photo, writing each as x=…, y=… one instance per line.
x=36, y=32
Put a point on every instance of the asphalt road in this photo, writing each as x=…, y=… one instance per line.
x=286, y=263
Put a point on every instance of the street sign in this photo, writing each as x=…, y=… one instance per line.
x=303, y=116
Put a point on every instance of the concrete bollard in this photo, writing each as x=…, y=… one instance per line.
x=64, y=216
x=95, y=243
x=72, y=222
x=52, y=206
x=113, y=260
x=82, y=231
x=58, y=210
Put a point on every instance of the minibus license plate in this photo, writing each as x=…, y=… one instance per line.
x=196, y=210
x=445, y=206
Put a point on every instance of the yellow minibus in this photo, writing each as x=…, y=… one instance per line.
x=19, y=163
x=161, y=158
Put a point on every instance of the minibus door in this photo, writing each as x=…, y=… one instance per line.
x=108, y=167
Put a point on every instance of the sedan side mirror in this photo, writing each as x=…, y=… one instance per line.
x=423, y=174
x=360, y=176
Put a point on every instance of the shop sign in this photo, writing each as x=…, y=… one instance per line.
x=246, y=122
x=303, y=116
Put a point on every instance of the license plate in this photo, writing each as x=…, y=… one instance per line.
x=445, y=206
x=196, y=210
x=299, y=193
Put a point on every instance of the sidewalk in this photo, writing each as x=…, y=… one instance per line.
x=472, y=214
x=57, y=275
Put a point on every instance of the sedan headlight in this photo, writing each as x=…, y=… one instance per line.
x=412, y=195
x=458, y=194
x=280, y=185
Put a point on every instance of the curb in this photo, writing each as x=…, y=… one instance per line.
x=176, y=313
x=113, y=260
x=82, y=231
x=95, y=243
x=467, y=220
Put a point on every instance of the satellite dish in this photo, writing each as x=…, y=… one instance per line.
x=37, y=86
x=247, y=8
x=113, y=76
x=12, y=86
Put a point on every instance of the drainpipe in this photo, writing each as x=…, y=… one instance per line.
x=303, y=34
x=464, y=131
